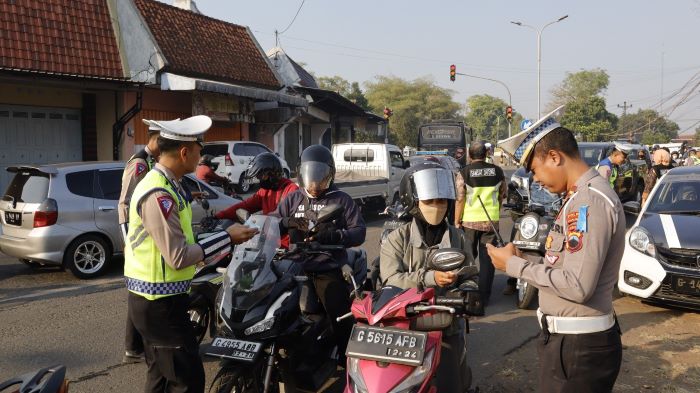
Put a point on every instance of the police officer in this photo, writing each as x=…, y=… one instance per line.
x=580, y=349
x=484, y=180
x=607, y=167
x=135, y=170
x=160, y=255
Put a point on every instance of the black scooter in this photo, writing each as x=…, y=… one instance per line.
x=274, y=330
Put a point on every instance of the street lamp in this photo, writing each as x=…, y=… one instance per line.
x=539, y=55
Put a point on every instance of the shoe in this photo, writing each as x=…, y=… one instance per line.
x=133, y=357
x=509, y=290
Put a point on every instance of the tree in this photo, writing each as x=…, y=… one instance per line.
x=579, y=85
x=357, y=96
x=351, y=91
x=486, y=116
x=413, y=102
x=648, y=126
x=588, y=118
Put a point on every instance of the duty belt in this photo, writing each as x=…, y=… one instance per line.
x=575, y=325
x=161, y=288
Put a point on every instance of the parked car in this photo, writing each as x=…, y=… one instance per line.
x=233, y=158
x=630, y=179
x=66, y=214
x=369, y=172
x=661, y=262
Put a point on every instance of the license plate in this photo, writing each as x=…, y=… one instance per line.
x=13, y=218
x=686, y=285
x=245, y=351
x=387, y=345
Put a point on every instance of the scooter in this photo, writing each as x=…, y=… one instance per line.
x=45, y=380
x=271, y=332
x=395, y=344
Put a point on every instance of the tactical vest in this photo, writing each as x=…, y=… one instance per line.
x=613, y=170
x=482, y=181
x=147, y=274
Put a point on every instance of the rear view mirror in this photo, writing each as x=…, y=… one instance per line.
x=447, y=259
x=205, y=204
x=330, y=213
x=632, y=207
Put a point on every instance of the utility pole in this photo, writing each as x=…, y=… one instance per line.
x=624, y=107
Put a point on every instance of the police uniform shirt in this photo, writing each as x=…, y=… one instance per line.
x=162, y=222
x=135, y=170
x=584, y=249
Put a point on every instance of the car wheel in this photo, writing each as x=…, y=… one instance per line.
x=243, y=185
x=87, y=256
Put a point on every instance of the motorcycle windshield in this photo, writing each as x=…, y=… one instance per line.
x=541, y=196
x=250, y=277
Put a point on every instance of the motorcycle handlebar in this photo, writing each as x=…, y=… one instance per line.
x=451, y=301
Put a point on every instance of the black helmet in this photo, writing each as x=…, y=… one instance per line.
x=206, y=160
x=316, y=170
x=266, y=163
x=423, y=181
x=46, y=380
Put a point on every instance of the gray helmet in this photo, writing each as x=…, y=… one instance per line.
x=206, y=160
x=423, y=181
x=316, y=169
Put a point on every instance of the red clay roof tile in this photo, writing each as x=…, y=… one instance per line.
x=59, y=36
x=199, y=46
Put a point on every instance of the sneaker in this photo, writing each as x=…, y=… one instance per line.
x=133, y=357
x=509, y=290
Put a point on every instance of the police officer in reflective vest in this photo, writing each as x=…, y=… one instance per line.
x=135, y=170
x=160, y=255
x=480, y=179
x=580, y=348
x=607, y=168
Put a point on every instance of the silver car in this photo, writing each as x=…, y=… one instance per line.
x=66, y=214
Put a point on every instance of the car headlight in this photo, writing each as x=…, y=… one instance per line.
x=417, y=376
x=642, y=241
x=528, y=227
x=357, y=382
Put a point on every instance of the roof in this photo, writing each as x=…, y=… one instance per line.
x=199, y=46
x=331, y=101
x=305, y=79
x=48, y=36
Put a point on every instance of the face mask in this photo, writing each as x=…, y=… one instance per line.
x=433, y=215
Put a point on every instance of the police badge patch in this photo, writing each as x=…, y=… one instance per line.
x=166, y=204
x=140, y=168
x=574, y=241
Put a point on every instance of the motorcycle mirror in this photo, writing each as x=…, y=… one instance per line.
x=447, y=259
x=205, y=204
x=243, y=215
x=330, y=213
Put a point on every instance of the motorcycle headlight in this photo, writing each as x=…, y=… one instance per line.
x=269, y=321
x=357, y=382
x=642, y=241
x=528, y=227
x=417, y=376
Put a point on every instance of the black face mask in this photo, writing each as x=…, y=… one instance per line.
x=268, y=184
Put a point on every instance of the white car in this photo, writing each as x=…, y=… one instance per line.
x=234, y=157
x=661, y=262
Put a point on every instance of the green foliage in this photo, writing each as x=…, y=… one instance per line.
x=368, y=137
x=579, y=85
x=413, y=102
x=335, y=83
x=357, y=96
x=588, y=118
x=486, y=116
x=649, y=126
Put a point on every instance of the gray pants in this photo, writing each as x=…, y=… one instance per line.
x=453, y=369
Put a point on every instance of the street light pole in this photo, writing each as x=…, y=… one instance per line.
x=539, y=57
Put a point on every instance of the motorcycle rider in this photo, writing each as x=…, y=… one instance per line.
x=425, y=190
x=298, y=211
x=274, y=187
x=205, y=171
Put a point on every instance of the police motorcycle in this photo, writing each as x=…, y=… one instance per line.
x=534, y=211
x=274, y=330
x=395, y=344
x=45, y=380
x=204, y=288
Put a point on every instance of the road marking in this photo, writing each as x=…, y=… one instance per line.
x=64, y=289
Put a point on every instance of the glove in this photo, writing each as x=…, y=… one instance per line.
x=298, y=223
x=328, y=237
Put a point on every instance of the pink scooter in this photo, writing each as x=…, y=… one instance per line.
x=395, y=345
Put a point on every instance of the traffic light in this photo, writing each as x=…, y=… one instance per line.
x=387, y=113
x=509, y=113
x=453, y=72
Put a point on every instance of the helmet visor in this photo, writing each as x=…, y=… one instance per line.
x=316, y=176
x=434, y=183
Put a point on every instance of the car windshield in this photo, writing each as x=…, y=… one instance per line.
x=590, y=154
x=250, y=277
x=676, y=195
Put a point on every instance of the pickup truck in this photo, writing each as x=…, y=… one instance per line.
x=369, y=172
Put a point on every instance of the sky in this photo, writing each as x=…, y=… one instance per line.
x=649, y=48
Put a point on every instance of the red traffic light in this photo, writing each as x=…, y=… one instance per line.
x=453, y=72
x=509, y=112
x=387, y=113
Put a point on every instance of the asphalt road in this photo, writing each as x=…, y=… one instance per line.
x=50, y=317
